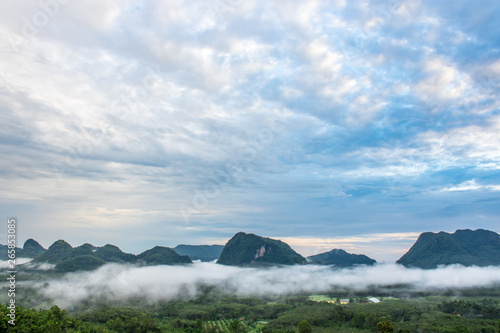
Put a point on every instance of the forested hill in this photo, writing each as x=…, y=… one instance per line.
x=466, y=247
x=249, y=249
x=88, y=257
x=340, y=258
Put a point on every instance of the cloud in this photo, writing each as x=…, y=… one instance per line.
x=121, y=114
x=471, y=185
x=382, y=246
x=19, y=261
x=118, y=282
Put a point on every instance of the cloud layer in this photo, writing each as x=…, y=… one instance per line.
x=118, y=282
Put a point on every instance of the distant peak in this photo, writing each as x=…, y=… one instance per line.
x=32, y=244
x=60, y=244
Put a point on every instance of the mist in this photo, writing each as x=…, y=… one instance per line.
x=154, y=283
x=19, y=261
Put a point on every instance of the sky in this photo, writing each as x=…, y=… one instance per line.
x=326, y=124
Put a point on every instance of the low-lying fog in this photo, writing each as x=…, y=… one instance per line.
x=119, y=282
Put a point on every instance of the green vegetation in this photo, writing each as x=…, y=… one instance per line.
x=215, y=311
x=341, y=258
x=249, y=249
x=111, y=253
x=42, y=321
x=88, y=257
x=31, y=249
x=304, y=327
x=57, y=252
x=160, y=255
x=385, y=326
x=466, y=247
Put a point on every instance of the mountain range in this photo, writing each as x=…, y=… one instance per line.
x=87, y=256
x=466, y=247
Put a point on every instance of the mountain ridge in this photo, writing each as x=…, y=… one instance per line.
x=466, y=247
x=89, y=257
x=340, y=258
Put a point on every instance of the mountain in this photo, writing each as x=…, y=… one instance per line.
x=31, y=249
x=200, y=252
x=466, y=247
x=56, y=253
x=340, y=258
x=80, y=263
x=160, y=255
x=4, y=254
x=111, y=253
x=89, y=257
x=249, y=249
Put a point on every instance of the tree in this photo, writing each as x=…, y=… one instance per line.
x=461, y=329
x=236, y=326
x=385, y=326
x=304, y=327
x=358, y=320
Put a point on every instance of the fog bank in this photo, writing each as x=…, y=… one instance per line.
x=167, y=282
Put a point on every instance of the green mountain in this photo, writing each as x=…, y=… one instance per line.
x=111, y=253
x=200, y=252
x=56, y=253
x=80, y=263
x=160, y=255
x=249, y=249
x=340, y=258
x=466, y=247
x=89, y=257
x=31, y=249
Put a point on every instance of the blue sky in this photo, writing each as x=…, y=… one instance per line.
x=327, y=124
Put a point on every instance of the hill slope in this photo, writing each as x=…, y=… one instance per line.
x=57, y=252
x=88, y=257
x=200, y=252
x=249, y=249
x=340, y=258
x=112, y=253
x=31, y=249
x=466, y=247
x=160, y=255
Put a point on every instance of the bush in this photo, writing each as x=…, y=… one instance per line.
x=304, y=327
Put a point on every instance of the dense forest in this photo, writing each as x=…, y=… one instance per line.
x=213, y=311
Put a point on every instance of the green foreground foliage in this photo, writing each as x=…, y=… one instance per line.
x=213, y=312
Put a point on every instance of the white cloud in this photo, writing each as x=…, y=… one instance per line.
x=19, y=261
x=123, y=282
x=137, y=105
x=471, y=185
x=443, y=82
